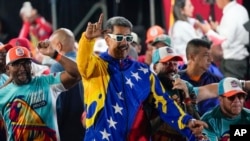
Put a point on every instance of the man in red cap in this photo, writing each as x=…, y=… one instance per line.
x=37, y=69
x=28, y=102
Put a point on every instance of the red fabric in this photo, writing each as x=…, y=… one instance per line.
x=45, y=26
x=42, y=29
x=20, y=42
x=200, y=7
x=46, y=72
x=203, y=8
x=24, y=30
x=141, y=58
x=167, y=10
x=6, y=47
x=247, y=104
x=140, y=130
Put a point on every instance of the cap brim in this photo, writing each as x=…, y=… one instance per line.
x=153, y=43
x=233, y=92
x=171, y=58
x=5, y=47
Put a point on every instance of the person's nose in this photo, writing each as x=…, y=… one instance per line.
x=21, y=67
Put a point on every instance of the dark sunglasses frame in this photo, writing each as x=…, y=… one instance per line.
x=240, y=97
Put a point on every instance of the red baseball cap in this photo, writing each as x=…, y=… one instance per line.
x=20, y=42
x=17, y=53
x=5, y=47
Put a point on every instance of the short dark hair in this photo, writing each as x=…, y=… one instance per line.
x=194, y=45
x=117, y=21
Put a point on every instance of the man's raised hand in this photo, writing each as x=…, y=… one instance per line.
x=94, y=29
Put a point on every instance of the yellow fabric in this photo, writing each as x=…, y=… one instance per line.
x=87, y=62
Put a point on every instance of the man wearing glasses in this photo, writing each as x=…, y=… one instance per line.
x=230, y=111
x=27, y=103
x=117, y=87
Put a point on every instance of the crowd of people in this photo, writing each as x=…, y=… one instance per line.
x=53, y=87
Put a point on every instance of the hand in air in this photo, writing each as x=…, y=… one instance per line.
x=94, y=29
x=45, y=48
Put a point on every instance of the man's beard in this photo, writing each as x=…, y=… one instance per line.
x=23, y=82
x=165, y=80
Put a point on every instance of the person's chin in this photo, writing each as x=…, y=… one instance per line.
x=24, y=78
x=121, y=55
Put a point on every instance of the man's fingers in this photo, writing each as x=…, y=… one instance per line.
x=205, y=125
x=43, y=44
x=100, y=20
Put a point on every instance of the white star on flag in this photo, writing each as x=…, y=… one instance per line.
x=144, y=70
x=129, y=82
x=136, y=76
x=118, y=109
x=111, y=123
x=105, y=134
x=120, y=95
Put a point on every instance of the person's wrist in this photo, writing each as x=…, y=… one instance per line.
x=56, y=56
x=191, y=122
x=187, y=100
x=86, y=36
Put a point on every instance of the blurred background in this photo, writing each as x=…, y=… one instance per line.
x=74, y=14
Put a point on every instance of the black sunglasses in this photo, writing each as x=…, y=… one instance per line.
x=239, y=96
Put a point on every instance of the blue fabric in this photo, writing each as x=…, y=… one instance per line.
x=212, y=68
x=215, y=70
x=206, y=78
x=113, y=113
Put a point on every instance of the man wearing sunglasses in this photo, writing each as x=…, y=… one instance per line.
x=117, y=87
x=230, y=111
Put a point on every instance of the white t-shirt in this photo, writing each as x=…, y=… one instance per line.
x=181, y=33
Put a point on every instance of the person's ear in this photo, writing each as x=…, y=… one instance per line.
x=59, y=46
x=192, y=57
x=155, y=68
x=220, y=99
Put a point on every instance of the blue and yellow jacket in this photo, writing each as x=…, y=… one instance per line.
x=114, y=94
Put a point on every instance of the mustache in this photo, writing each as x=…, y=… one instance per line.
x=122, y=48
